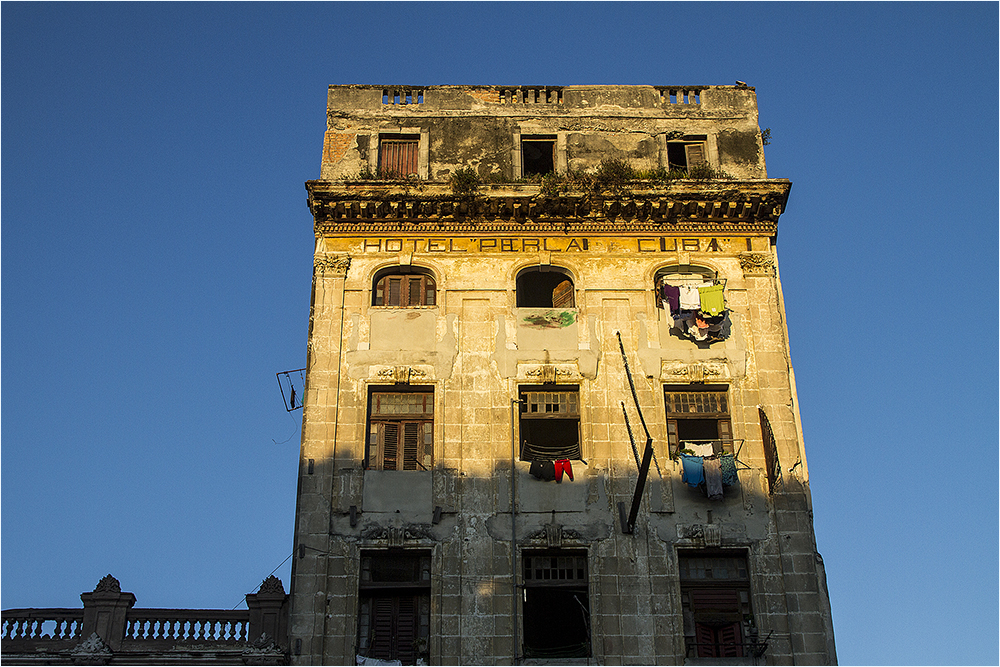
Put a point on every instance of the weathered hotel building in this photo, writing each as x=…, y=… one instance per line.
x=515, y=284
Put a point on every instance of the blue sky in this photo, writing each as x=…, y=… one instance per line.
x=156, y=263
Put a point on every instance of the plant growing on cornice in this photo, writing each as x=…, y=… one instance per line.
x=465, y=182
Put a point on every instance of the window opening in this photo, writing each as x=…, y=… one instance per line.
x=398, y=156
x=687, y=154
x=555, y=604
x=545, y=289
x=400, y=430
x=394, y=606
x=693, y=301
x=550, y=423
x=715, y=602
x=538, y=155
x=698, y=421
x=404, y=290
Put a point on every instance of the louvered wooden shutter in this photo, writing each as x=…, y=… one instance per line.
x=730, y=639
x=770, y=451
x=395, y=285
x=411, y=445
x=383, y=613
x=406, y=629
x=695, y=154
x=726, y=435
x=704, y=636
x=415, y=298
x=562, y=295
x=672, y=444
x=389, y=446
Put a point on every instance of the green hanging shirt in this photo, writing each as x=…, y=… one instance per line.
x=713, y=302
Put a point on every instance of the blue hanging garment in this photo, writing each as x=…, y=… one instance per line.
x=729, y=476
x=693, y=472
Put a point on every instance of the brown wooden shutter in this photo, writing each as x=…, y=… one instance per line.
x=431, y=296
x=395, y=285
x=398, y=157
x=414, y=298
x=389, y=449
x=710, y=599
x=730, y=641
x=562, y=295
x=412, y=450
x=406, y=629
x=383, y=613
x=726, y=435
x=695, y=155
x=672, y=443
x=704, y=636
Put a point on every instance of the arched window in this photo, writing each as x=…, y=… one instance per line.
x=548, y=288
x=404, y=289
x=693, y=299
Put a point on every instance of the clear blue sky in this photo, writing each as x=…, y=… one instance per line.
x=156, y=264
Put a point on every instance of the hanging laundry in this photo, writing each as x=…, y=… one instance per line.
x=689, y=297
x=713, y=478
x=693, y=470
x=713, y=301
x=543, y=470
x=700, y=448
x=561, y=466
x=671, y=295
x=729, y=476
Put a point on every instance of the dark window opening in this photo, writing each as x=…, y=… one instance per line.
x=398, y=156
x=686, y=155
x=394, y=607
x=698, y=420
x=550, y=423
x=556, y=608
x=400, y=430
x=545, y=289
x=404, y=290
x=537, y=155
x=715, y=602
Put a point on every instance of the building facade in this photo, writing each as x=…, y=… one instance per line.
x=550, y=414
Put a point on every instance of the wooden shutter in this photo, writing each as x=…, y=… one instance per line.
x=672, y=443
x=383, y=614
x=406, y=629
x=398, y=157
x=730, y=641
x=695, y=155
x=726, y=435
x=412, y=449
x=389, y=446
x=710, y=599
x=395, y=290
x=415, y=292
x=704, y=637
x=562, y=295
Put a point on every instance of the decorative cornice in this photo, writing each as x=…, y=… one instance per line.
x=687, y=207
x=336, y=265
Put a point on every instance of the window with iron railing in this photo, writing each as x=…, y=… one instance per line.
x=698, y=417
x=715, y=603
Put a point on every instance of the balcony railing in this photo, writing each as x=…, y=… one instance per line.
x=218, y=626
x=42, y=625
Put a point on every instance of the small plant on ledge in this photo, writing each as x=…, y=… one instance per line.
x=465, y=182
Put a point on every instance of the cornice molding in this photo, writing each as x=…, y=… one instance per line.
x=721, y=207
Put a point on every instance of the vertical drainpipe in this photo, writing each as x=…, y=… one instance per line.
x=513, y=531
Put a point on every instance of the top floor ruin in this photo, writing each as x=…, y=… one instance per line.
x=512, y=134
